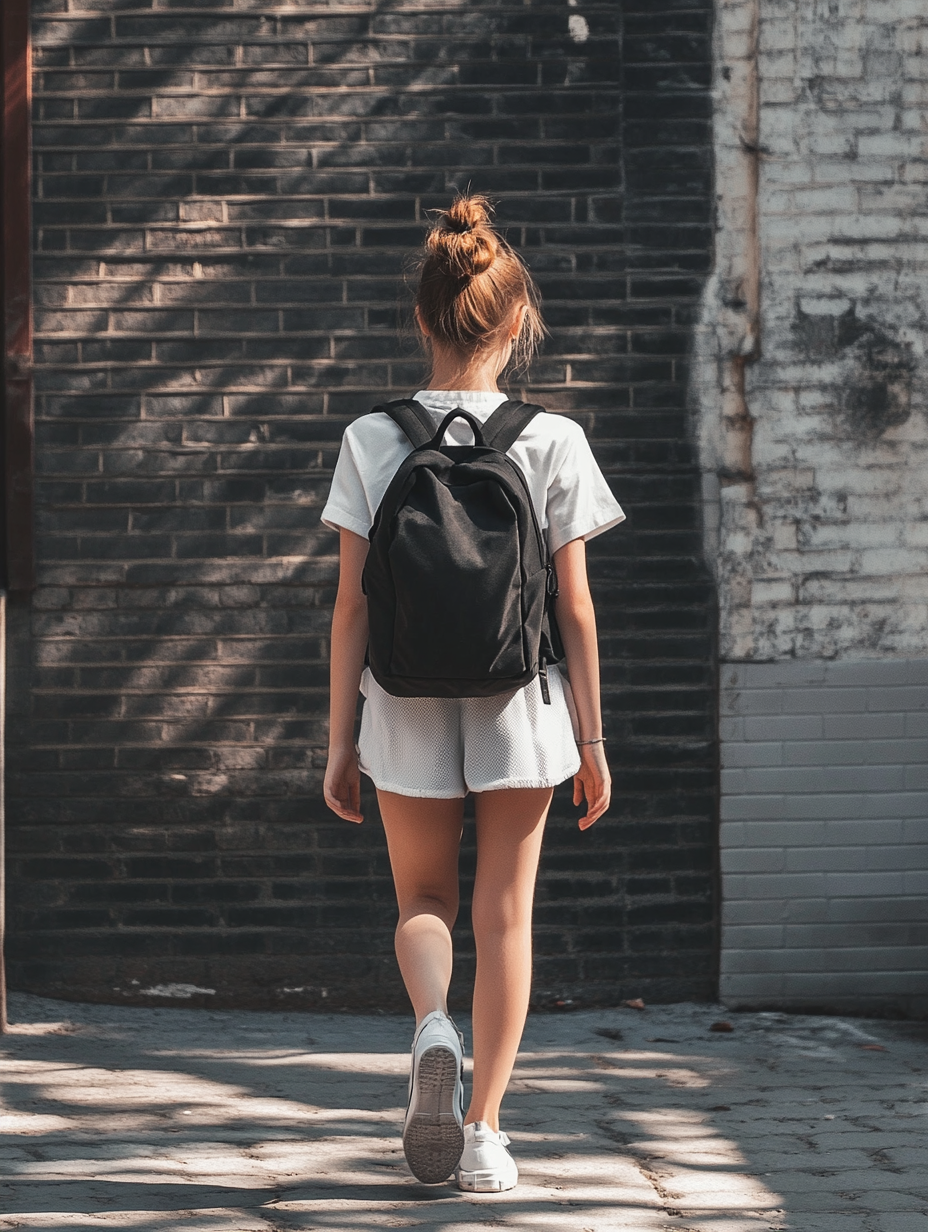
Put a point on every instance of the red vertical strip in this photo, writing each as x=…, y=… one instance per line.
x=17, y=295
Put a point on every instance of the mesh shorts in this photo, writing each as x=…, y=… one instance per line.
x=442, y=748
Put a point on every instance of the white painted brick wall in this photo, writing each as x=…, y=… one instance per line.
x=821, y=538
x=825, y=834
x=810, y=391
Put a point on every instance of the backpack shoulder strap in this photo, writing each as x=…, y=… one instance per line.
x=412, y=417
x=508, y=422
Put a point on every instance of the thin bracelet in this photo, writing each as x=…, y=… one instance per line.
x=598, y=740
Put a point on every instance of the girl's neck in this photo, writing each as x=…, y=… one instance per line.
x=476, y=373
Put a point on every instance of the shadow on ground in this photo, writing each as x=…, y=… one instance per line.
x=153, y=1120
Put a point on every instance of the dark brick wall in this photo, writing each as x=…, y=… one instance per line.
x=225, y=198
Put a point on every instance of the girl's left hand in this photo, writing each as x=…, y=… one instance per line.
x=592, y=783
x=342, y=787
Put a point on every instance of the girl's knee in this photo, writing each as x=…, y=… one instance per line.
x=434, y=903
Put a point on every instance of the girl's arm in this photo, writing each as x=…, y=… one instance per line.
x=348, y=643
x=577, y=623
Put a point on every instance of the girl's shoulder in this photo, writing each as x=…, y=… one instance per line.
x=370, y=421
x=554, y=434
x=374, y=430
x=558, y=426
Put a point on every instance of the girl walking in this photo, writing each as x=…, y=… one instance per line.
x=477, y=310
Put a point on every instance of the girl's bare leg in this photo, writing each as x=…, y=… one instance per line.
x=510, y=825
x=423, y=838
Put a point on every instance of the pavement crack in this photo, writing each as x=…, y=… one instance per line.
x=882, y=1160
x=618, y=1136
x=666, y=1196
x=601, y=1062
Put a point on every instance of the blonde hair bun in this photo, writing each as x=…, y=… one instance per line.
x=463, y=241
x=471, y=283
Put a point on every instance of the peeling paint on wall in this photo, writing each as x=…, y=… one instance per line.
x=816, y=485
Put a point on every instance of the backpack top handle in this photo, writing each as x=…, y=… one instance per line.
x=500, y=431
x=475, y=424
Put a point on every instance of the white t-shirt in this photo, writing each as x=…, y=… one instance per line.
x=570, y=494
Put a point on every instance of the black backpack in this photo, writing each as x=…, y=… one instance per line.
x=458, y=580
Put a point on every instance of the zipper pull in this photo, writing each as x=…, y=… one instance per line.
x=543, y=680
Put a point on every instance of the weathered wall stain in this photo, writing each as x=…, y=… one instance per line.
x=881, y=396
x=875, y=394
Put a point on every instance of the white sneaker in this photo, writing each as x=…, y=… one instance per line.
x=433, y=1134
x=486, y=1166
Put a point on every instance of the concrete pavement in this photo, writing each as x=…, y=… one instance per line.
x=159, y=1120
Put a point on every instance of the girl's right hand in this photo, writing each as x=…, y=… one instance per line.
x=592, y=783
x=342, y=789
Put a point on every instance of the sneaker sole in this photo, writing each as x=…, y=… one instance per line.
x=433, y=1140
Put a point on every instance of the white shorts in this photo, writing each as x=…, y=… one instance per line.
x=443, y=747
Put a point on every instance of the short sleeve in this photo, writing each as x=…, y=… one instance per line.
x=580, y=504
x=347, y=505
